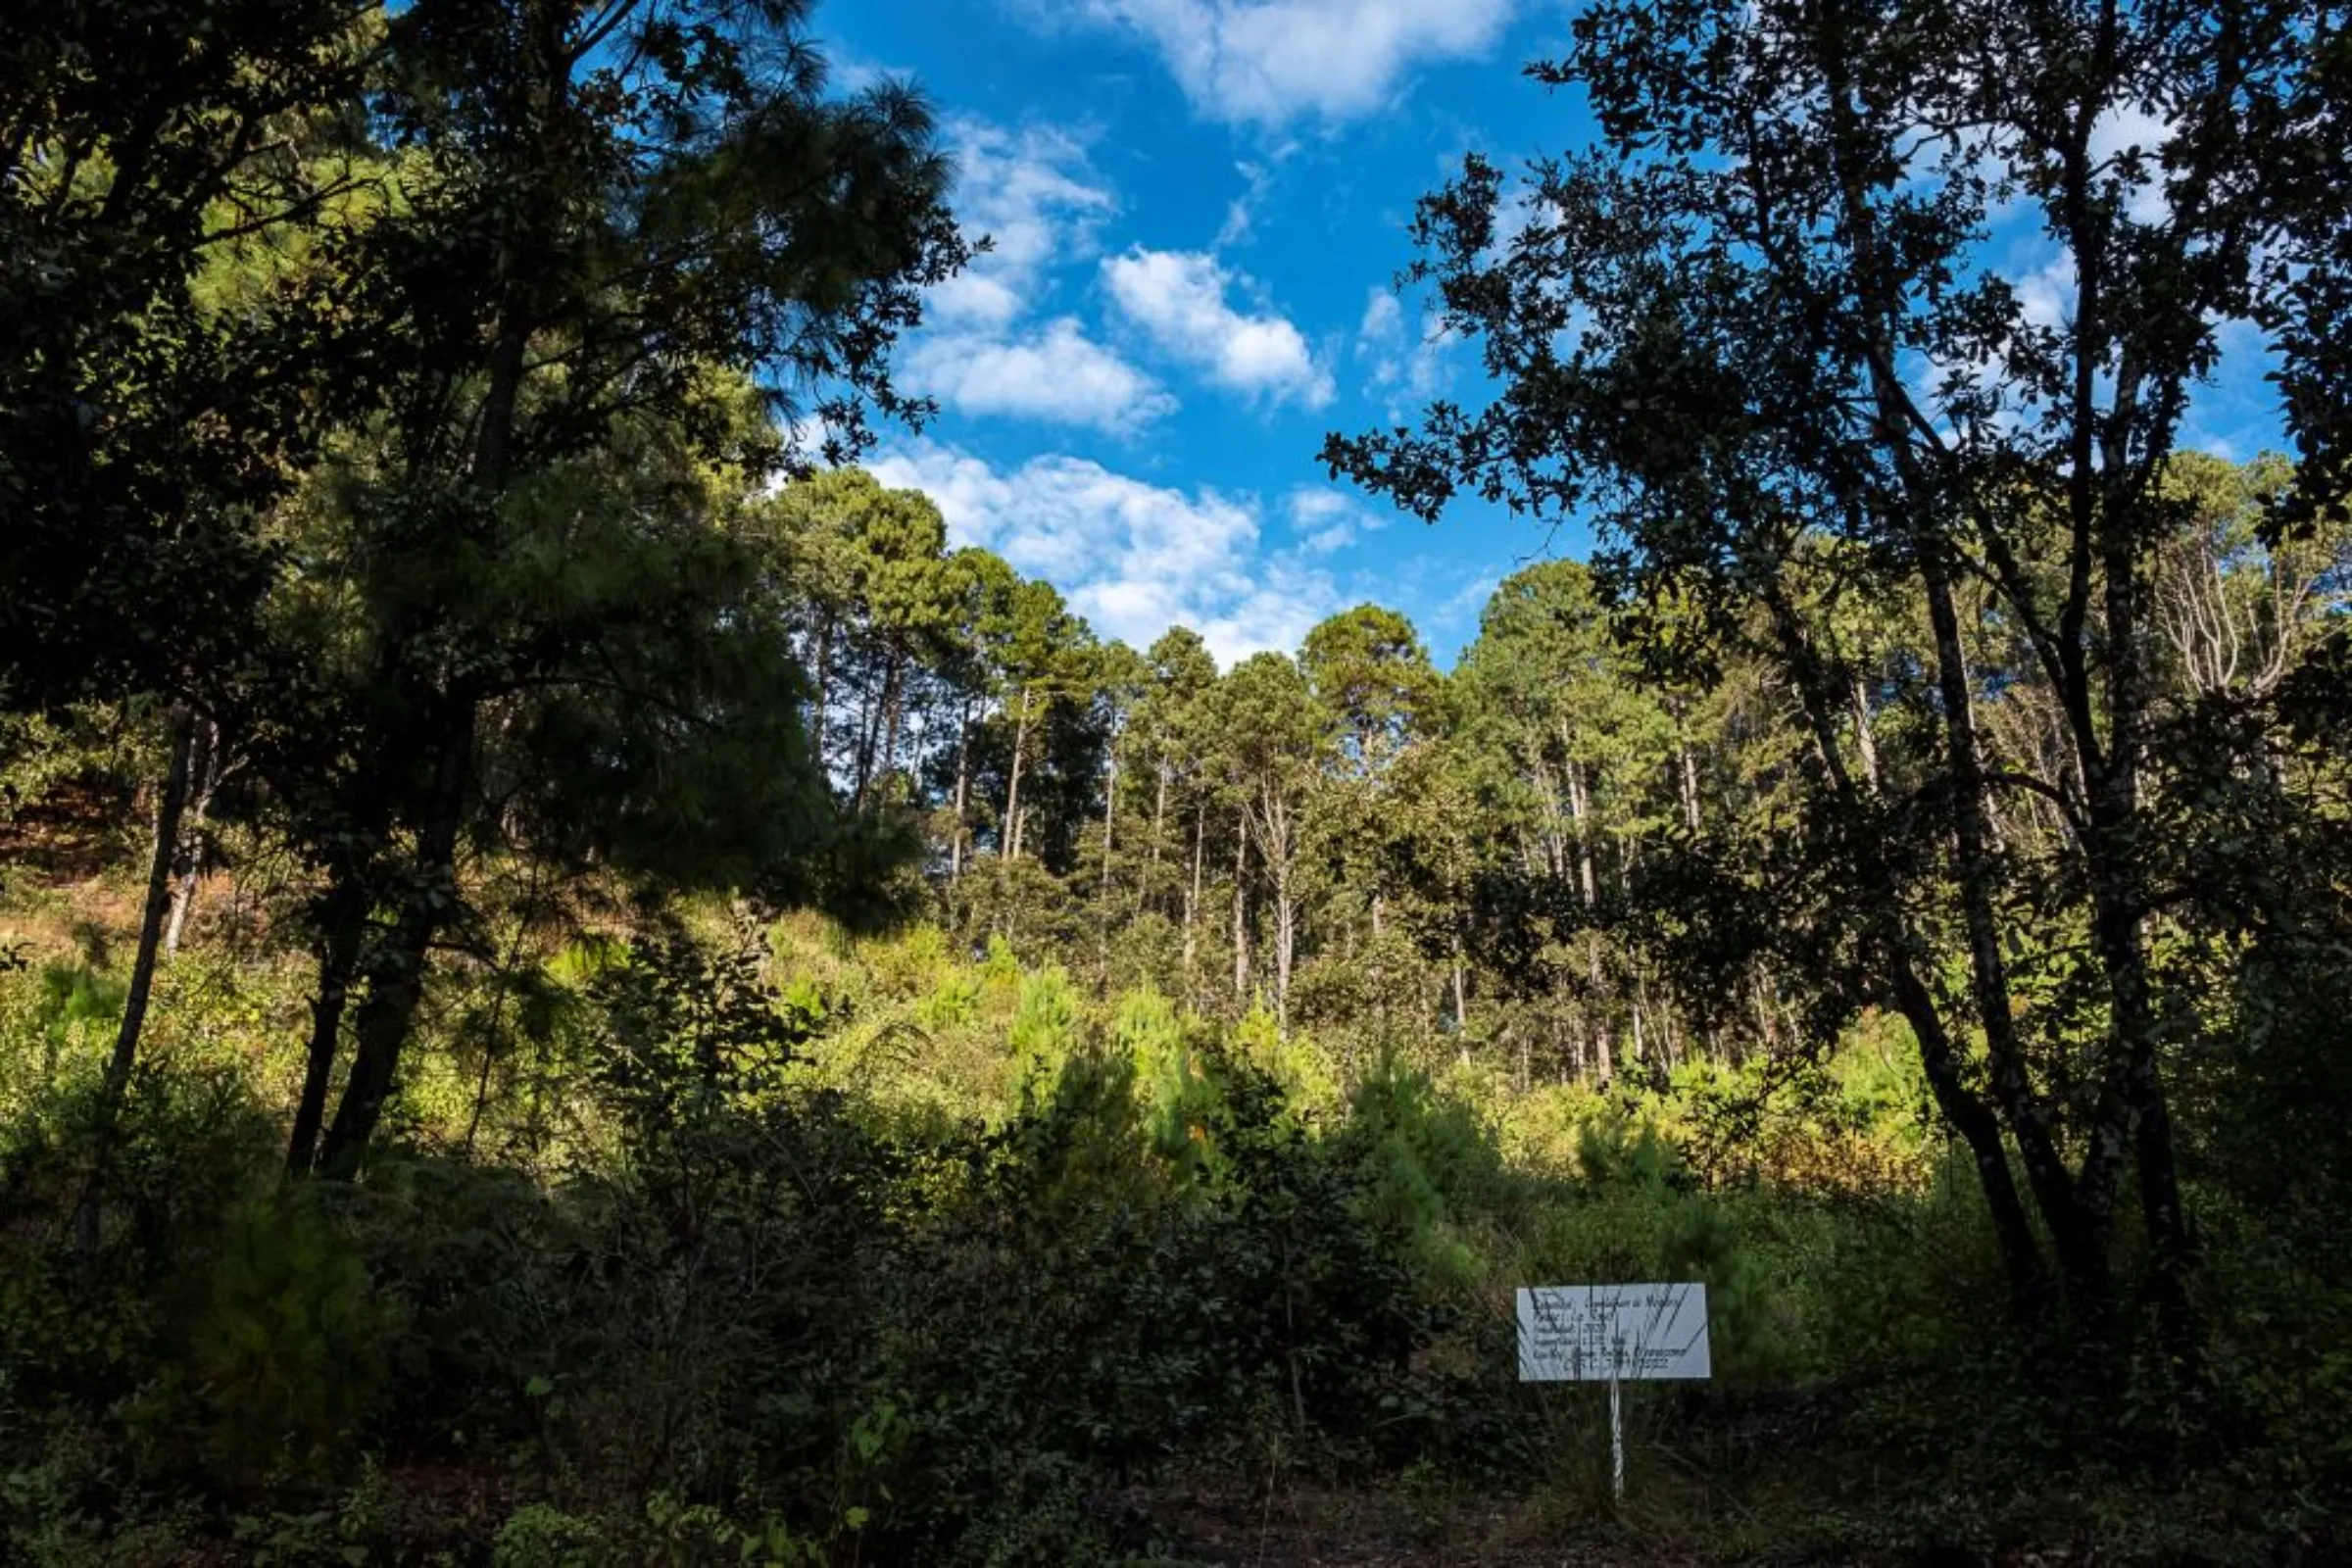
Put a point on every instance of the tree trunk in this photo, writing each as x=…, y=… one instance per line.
x=1866, y=742
x=1240, y=928
x=2120, y=909
x=2080, y=1249
x=2131, y=1118
x=116, y=1085
x=1111, y=797
x=964, y=779
x=396, y=985
x=1159, y=814
x=168, y=822
x=1579, y=807
x=1969, y=1118
x=1149, y=880
x=1604, y=1043
x=893, y=701
x=342, y=924
x=869, y=741
x=1192, y=898
x=204, y=771
x=1883, y=925
x=1110, y=801
x=1876, y=275
x=1286, y=947
x=818, y=712
x=1011, y=845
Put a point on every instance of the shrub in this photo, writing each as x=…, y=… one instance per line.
x=282, y=1359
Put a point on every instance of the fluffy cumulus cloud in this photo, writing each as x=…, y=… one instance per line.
x=1034, y=195
x=1132, y=558
x=1265, y=62
x=1178, y=300
x=1056, y=374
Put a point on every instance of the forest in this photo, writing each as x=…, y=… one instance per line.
x=581, y=983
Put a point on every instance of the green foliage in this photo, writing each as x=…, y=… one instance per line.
x=1045, y=1025
x=343, y=1535
x=539, y=1536
x=954, y=1001
x=1179, y=1096
x=1429, y=1168
x=59, y=1022
x=281, y=1361
x=761, y=1316
x=1634, y=1212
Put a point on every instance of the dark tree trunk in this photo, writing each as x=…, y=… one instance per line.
x=342, y=924
x=2082, y=1254
x=116, y=1086
x=818, y=715
x=396, y=985
x=1969, y=1118
x=869, y=740
x=1819, y=692
x=168, y=822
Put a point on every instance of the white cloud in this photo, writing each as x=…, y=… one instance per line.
x=1324, y=520
x=2127, y=129
x=849, y=71
x=1057, y=374
x=1384, y=320
x=1265, y=62
x=1178, y=300
x=1132, y=558
x=1466, y=604
x=1034, y=194
x=1241, y=214
x=2045, y=294
x=1407, y=367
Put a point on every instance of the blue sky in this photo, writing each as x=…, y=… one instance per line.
x=1197, y=207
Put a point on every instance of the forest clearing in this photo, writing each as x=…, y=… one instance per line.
x=612, y=953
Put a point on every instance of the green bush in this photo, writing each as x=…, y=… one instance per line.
x=281, y=1360
x=57, y=1024
x=539, y=1536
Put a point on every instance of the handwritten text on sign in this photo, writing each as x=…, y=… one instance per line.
x=1592, y=1332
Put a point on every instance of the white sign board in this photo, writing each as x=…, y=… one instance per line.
x=1604, y=1333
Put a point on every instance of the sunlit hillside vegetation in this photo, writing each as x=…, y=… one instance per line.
x=578, y=984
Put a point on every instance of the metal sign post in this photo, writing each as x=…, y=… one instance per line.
x=1612, y=1333
x=1616, y=1442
